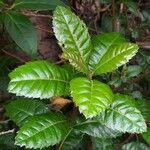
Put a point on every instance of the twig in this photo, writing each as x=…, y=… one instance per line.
x=6, y=132
x=145, y=45
x=126, y=141
x=5, y=121
x=121, y=8
x=105, y=8
x=34, y=14
x=94, y=30
x=45, y=30
x=59, y=62
x=12, y=55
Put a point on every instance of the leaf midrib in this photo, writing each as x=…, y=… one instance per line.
x=57, y=80
x=109, y=60
x=63, y=141
x=132, y=122
x=19, y=29
x=74, y=127
x=76, y=45
x=26, y=112
x=41, y=131
x=108, y=45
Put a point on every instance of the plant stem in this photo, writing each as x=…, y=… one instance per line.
x=6, y=132
x=89, y=76
x=12, y=55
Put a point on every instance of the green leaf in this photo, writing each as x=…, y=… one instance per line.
x=5, y=61
x=91, y=127
x=71, y=140
x=101, y=44
x=146, y=136
x=91, y=96
x=144, y=105
x=124, y=116
x=115, y=56
x=20, y=110
x=135, y=94
x=106, y=22
x=22, y=32
x=1, y=3
x=7, y=142
x=102, y=144
x=36, y=4
x=4, y=80
x=73, y=37
x=39, y=79
x=143, y=59
x=133, y=70
x=73, y=71
x=95, y=128
x=42, y=131
x=135, y=146
x=110, y=52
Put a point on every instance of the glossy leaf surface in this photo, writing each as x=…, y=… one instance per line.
x=20, y=110
x=39, y=79
x=116, y=56
x=36, y=4
x=135, y=146
x=91, y=96
x=71, y=140
x=110, y=51
x=42, y=131
x=90, y=127
x=124, y=116
x=22, y=32
x=73, y=37
x=101, y=43
x=96, y=129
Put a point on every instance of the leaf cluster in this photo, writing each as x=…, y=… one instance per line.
x=104, y=115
